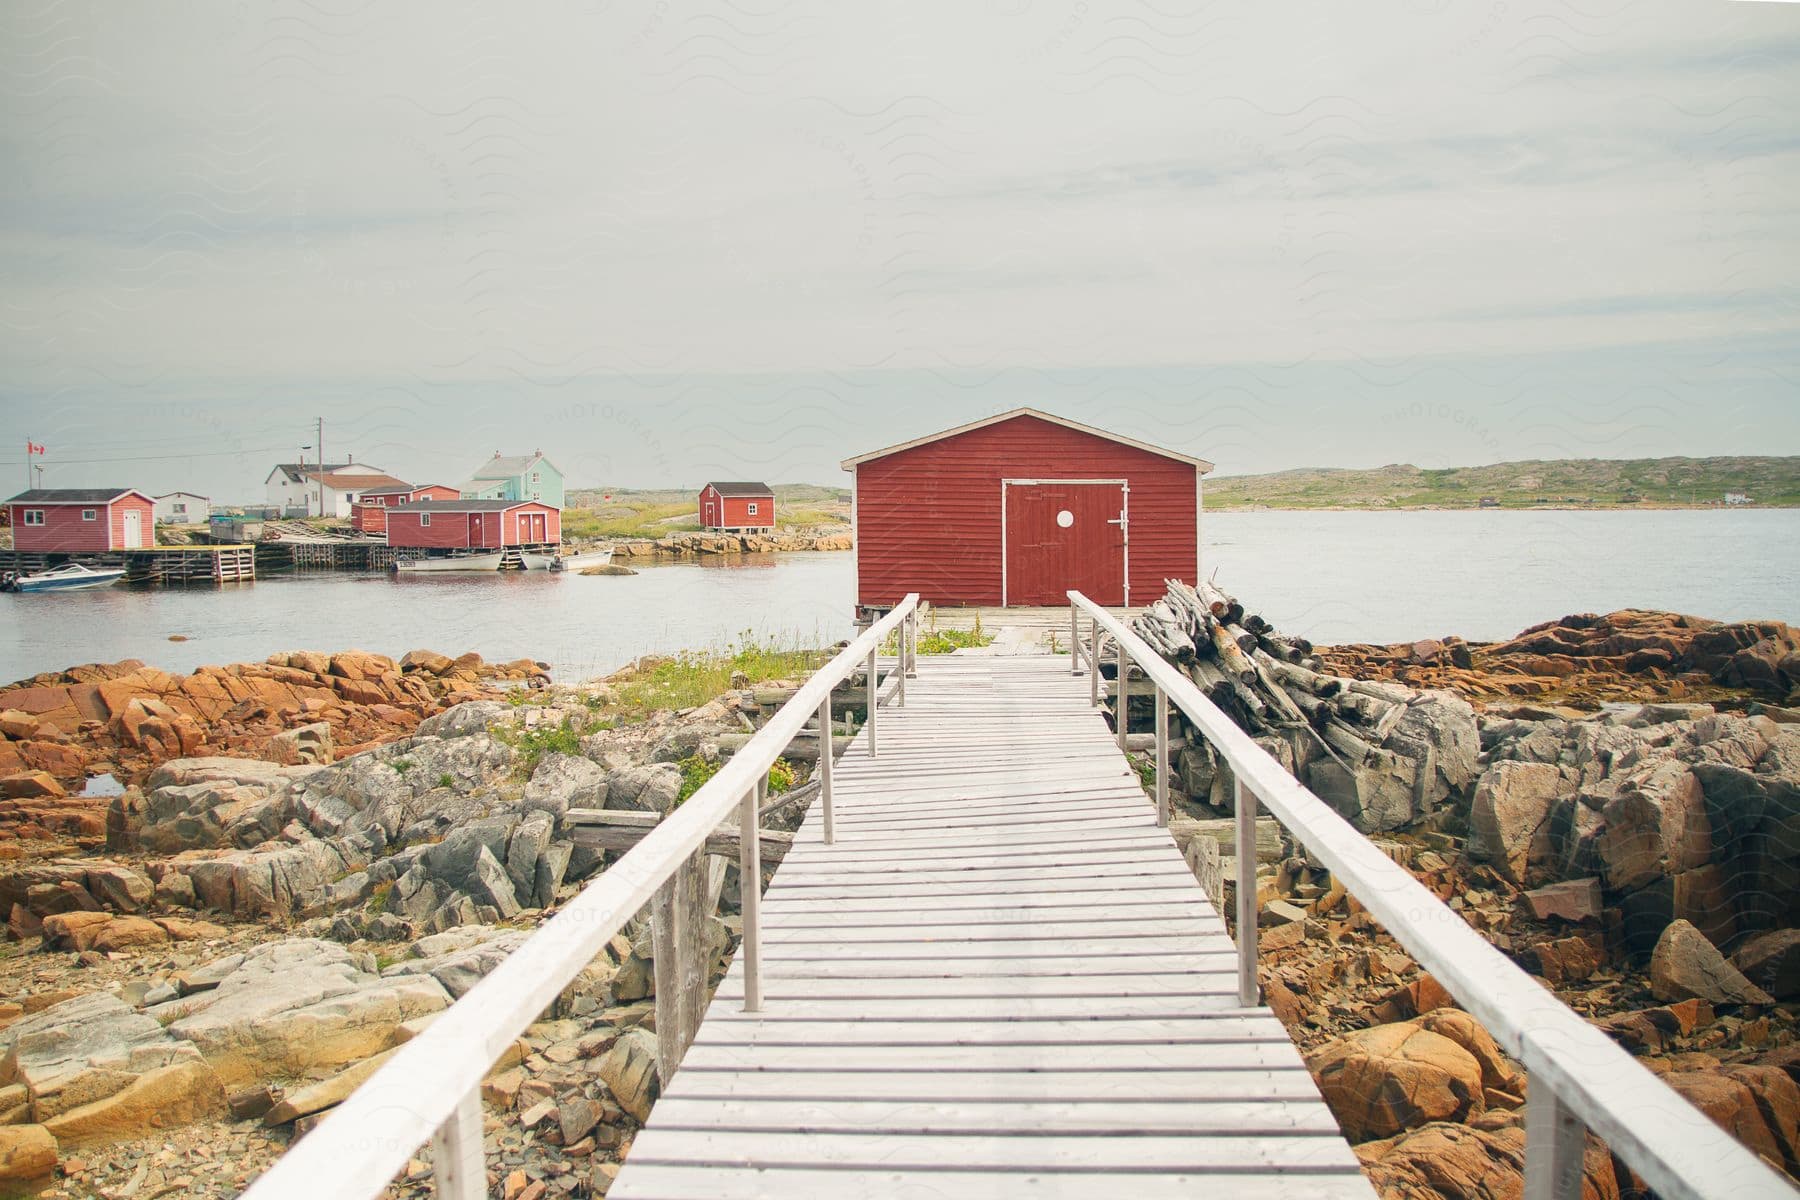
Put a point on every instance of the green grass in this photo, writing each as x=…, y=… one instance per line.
x=696, y=771
x=933, y=640
x=692, y=677
x=1601, y=483
x=401, y=765
x=535, y=742
x=446, y=780
x=628, y=520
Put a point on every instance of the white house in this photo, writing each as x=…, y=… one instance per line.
x=1736, y=498
x=294, y=487
x=182, y=508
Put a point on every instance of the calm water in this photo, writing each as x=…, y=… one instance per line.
x=1328, y=576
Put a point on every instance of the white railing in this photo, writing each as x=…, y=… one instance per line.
x=1579, y=1076
x=431, y=1089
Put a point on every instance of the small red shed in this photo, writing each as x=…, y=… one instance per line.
x=473, y=524
x=1015, y=509
x=369, y=512
x=737, y=506
x=63, y=520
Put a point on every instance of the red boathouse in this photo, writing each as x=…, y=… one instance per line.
x=61, y=520
x=473, y=524
x=1017, y=508
x=737, y=506
x=368, y=514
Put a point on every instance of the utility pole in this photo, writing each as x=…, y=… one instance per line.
x=319, y=443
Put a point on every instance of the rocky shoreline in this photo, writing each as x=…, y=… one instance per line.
x=239, y=938
x=314, y=856
x=1637, y=850
x=707, y=545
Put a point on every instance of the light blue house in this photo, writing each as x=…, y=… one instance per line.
x=520, y=477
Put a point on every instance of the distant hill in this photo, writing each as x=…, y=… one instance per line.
x=1555, y=483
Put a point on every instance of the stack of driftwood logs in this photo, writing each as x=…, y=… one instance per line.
x=1381, y=753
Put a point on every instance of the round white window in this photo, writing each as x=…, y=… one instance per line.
x=1065, y=518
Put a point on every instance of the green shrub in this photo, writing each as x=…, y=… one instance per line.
x=538, y=740
x=690, y=678
x=696, y=771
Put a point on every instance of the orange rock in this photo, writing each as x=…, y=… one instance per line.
x=74, y=930
x=123, y=933
x=28, y=784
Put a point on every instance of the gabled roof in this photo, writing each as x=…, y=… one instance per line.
x=499, y=467
x=75, y=495
x=360, y=483
x=292, y=470
x=463, y=505
x=402, y=489
x=741, y=489
x=1199, y=463
x=172, y=495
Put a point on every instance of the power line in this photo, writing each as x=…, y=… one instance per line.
x=69, y=462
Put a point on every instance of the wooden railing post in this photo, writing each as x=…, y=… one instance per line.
x=1074, y=639
x=1244, y=805
x=1094, y=663
x=825, y=760
x=1162, y=758
x=1123, y=714
x=458, y=1164
x=912, y=642
x=1554, y=1145
x=874, y=702
x=677, y=931
x=750, y=890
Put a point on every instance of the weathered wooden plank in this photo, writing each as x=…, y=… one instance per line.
x=1223, y=1026
x=1299, y=1156
x=971, y=1063
x=711, y=1182
x=948, y=1113
x=1196, y=1086
x=1223, y=979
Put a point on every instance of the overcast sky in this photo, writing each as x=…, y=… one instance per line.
x=665, y=242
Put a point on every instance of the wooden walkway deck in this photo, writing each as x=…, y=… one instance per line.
x=1002, y=980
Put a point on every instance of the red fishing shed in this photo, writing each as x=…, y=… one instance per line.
x=369, y=513
x=737, y=506
x=61, y=520
x=1017, y=508
x=473, y=524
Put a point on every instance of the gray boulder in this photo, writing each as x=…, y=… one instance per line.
x=287, y=1008
x=565, y=781
x=475, y=716
x=84, y=1050
x=1510, y=817
x=650, y=788
x=460, y=966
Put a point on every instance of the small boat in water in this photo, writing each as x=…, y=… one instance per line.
x=466, y=562
x=71, y=577
x=569, y=562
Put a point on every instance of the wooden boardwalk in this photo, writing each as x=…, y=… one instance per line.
x=1002, y=980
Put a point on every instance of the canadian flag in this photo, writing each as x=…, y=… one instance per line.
x=33, y=448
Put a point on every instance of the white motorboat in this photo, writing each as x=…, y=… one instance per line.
x=466, y=562
x=569, y=562
x=71, y=577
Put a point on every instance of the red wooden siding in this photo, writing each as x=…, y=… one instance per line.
x=63, y=529
x=369, y=514
x=928, y=519
x=733, y=512
x=475, y=530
